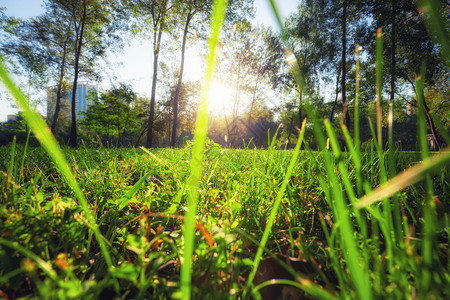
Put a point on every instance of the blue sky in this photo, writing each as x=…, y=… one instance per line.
x=134, y=64
x=30, y=8
x=22, y=8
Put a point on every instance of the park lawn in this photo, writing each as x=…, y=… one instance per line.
x=48, y=249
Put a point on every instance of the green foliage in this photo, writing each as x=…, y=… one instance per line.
x=17, y=128
x=411, y=35
x=112, y=115
x=238, y=189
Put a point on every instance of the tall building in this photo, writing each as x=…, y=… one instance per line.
x=82, y=103
x=81, y=100
x=12, y=118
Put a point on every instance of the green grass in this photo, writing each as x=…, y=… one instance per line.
x=238, y=190
x=203, y=221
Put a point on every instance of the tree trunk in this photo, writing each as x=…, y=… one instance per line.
x=180, y=81
x=235, y=107
x=345, y=113
x=156, y=47
x=140, y=136
x=335, y=99
x=169, y=125
x=433, y=129
x=290, y=127
x=78, y=44
x=151, y=118
x=59, y=91
x=253, y=100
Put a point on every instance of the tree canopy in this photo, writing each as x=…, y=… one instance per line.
x=254, y=82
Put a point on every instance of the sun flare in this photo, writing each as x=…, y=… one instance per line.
x=220, y=98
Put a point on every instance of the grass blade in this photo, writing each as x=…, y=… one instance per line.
x=351, y=254
x=428, y=205
x=46, y=267
x=379, y=85
x=276, y=204
x=201, y=128
x=407, y=178
x=437, y=25
x=357, y=138
x=10, y=175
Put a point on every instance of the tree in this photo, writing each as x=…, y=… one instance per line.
x=315, y=30
x=188, y=98
x=408, y=44
x=313, y=38
x=237, y=10
x=238, y=67
x=236, y=71
x=157, y=13
x=392, y=81
x=61, y=107
x=19, y=45
x=264, y=63
x=52, y=36
x=188, y=9
x=48, y=39
x=164, y=16
x=346, y=117
x=89, y=19
x=13, y=128
x=115, y=113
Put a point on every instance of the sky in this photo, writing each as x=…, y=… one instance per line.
x=134, y=64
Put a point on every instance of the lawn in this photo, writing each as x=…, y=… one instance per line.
x=49, y=250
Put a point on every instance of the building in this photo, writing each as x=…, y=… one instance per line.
x=81, y=98
x=82, y=103
x=12, y=118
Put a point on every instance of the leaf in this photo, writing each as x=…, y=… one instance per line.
x=129, y=196
x=126, y=271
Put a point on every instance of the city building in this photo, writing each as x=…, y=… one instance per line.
x=12, y=118
x=81, y=100
x=81, y=97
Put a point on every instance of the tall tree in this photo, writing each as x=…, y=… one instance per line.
x=189, y=96
x=237, y=11
x=157, y=13
x=408, y=44
x=49, y=38
x=52, y=33
x=79, y=16
x=19, y=45
x=188, y=9
x=89, y=19
x=30, y=47
x=235, y=68
x=159, y=24
x=263, y=63
x=345, y=114
x=316, y=29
